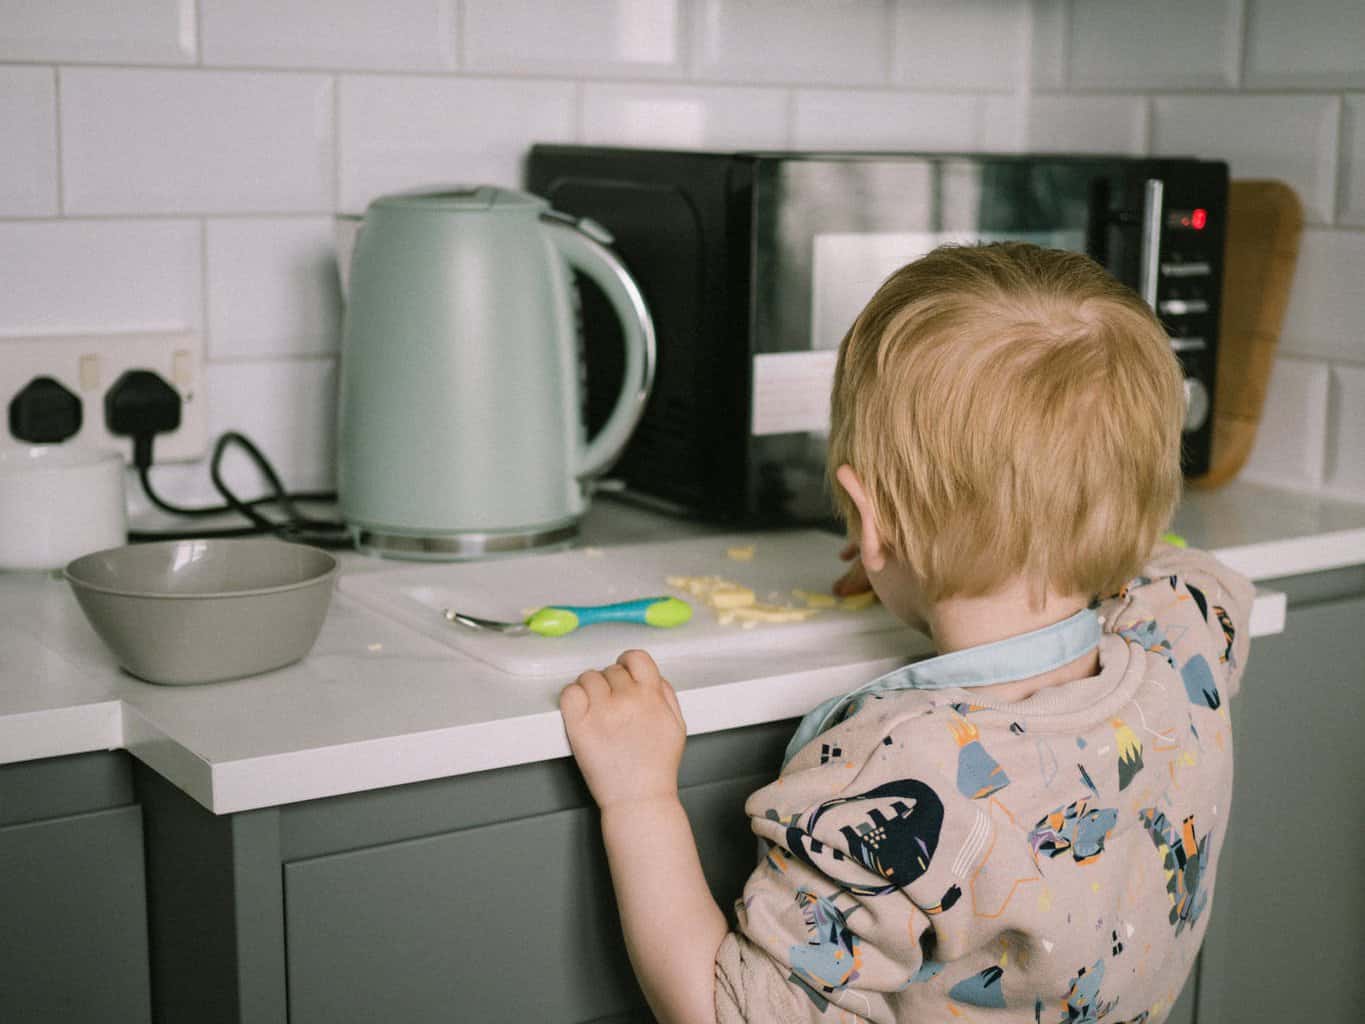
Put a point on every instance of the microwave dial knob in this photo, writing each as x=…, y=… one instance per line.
x=1196, y=404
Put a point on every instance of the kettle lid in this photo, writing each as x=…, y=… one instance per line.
x=464, y=198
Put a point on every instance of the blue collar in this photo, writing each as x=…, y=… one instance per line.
x=1003, y=661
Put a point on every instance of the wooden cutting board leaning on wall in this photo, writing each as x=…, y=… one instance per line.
x=1265, y=220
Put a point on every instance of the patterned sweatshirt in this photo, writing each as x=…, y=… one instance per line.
x=936, y=856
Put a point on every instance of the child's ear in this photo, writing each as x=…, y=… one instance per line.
x=870, y=541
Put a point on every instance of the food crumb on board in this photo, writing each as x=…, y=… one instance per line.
x=593, y=552
x=740, y=553
x=375, y=647
x=735, y=603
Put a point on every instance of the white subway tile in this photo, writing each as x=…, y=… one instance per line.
x=961, y=45
x=399, y=35
x=1305, y=43
x=73, y=277
x=596, y=38
x=719, y=117
x=1292, y=138
x=1087, y=124
x=272, y=287
x=401, y=132
x=1325, y=318
x=28, y=124
x=887, y=120
x=1353, y=161
x=1346, y=444
x=846, y=42
x=1047, y=53
x=1154, y=44
x=286, y=408
x=195, y=141
x=130, y=32
x=1291, y=439
x=1004, y=123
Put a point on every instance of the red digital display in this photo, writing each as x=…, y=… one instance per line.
x=1198, y=218
x=1193, y=220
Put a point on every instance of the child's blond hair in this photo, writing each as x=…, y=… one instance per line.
x=1010, y=410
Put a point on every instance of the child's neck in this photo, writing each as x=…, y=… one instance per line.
x=960, y=622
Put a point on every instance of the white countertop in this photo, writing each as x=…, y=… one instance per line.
x=376, y=704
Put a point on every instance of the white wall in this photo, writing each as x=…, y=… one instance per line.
x=1278, y=90
x=177, y=163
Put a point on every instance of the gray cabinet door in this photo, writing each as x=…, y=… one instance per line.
x=1288, y=924
x=73, y=920
x=512, y=921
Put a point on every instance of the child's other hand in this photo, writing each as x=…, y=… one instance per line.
x=854, y=580
x=626, y=730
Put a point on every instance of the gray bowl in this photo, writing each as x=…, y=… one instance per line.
x=200, y=611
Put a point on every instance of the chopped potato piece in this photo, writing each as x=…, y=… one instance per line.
x=740, y=554
x=815, y=600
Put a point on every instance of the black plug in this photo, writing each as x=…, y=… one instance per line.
x=44, y=412
x=141, y=405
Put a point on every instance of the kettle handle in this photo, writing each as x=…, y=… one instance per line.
x=584, y=252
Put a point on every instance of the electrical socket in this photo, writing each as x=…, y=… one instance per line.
x=87, y=365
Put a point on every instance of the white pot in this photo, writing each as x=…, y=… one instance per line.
x=58, y=502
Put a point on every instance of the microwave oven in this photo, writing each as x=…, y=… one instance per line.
x=754, y=264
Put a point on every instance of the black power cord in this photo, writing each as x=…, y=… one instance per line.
x=142, y=405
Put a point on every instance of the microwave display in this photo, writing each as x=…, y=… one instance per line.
x=755, y=264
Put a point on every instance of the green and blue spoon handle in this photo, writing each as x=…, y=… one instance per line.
x=557, y=620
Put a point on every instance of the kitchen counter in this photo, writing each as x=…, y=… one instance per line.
x=377, y=704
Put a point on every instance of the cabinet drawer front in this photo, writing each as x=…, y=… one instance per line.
x=508, y=922
x=513, y=921
x=73, y=946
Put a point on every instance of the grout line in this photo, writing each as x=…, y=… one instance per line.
x=460, y=22
x=336, y=144
x=1241, y=34
x=1342, y=166
x=205, y=309
x=57, y=141
x=199, y=33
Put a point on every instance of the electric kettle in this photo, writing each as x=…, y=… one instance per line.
x=460, y=432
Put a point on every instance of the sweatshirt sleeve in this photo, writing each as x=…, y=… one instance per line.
x=830, y=923
x=1222, y=598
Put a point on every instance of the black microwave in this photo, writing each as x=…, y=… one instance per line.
x=753, y=265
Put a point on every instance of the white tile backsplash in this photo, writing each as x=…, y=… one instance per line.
x=28, y=126
x=845, y=42
x=78, y=276
x=1346, y=444
x=1324, y=319
x=1087, y=124
x=1308, y=43
x=592, y=38
x=959, y=45
x=398, y=35
x=1352, y=205
x=272, y=287
x=398, y=133
x=189, y=180
x=1291, y=437
x=1153, y=44
x=1293, y=138
x=127, y=32
x=875, y=119
x=685, y=116
x=157, y=141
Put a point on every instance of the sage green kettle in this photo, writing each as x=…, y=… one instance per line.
x=460, y=432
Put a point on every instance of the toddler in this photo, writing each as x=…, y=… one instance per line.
x=1025, y=827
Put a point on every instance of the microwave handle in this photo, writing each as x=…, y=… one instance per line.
x=1149, y=267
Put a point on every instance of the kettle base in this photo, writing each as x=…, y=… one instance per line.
x=453, y=547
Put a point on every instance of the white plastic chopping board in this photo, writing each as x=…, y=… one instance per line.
x=507, y=589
